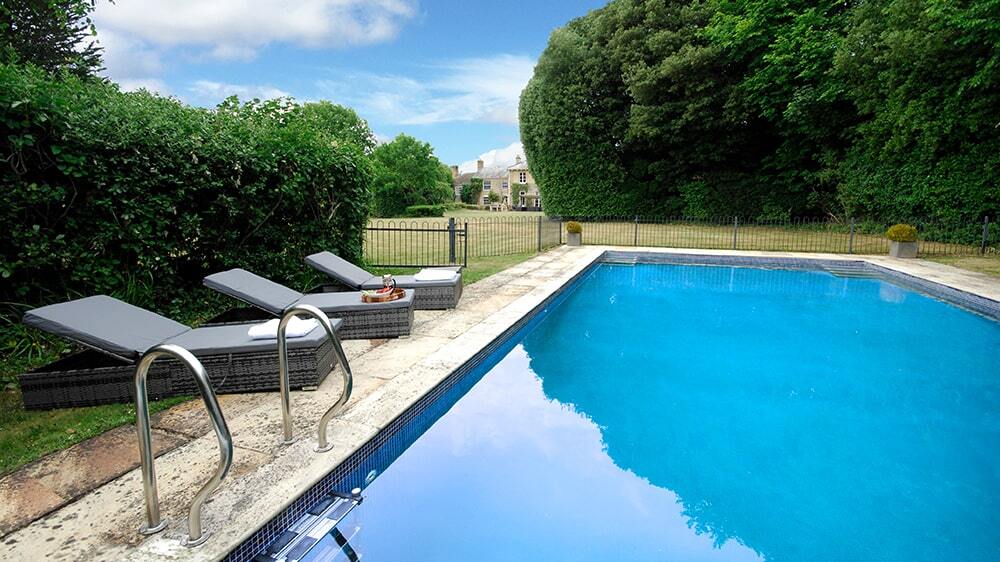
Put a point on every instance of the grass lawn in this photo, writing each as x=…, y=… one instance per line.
x=459, y=213
x=29, y=435
x=989, y=265
x=479, y=268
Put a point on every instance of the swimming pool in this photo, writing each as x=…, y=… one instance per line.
x=685, y=412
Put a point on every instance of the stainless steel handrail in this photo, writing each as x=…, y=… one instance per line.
x=345, y=369
x=153, y=523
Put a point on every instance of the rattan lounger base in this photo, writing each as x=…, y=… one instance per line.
x=90, y=378
x=437, y=298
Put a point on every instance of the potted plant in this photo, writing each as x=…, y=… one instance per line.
x=575, y=231
x=902, y=240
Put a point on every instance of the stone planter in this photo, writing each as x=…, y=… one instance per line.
x=574, y=239
x=902, y=249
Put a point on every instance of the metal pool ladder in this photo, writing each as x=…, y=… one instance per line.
x=154, y=524
x=345, y=368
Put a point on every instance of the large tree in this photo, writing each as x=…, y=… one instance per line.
x=769, y=108
x=925, y=77
x=406, y=172
x=56, y=35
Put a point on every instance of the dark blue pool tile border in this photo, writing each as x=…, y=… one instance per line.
x=616, y=256
x=390, y=442
x=975, y=303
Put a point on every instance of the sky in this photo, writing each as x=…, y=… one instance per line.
x=444, y=71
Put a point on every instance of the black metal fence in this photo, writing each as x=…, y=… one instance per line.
x=430, y=242
x=434, y=242
x=799, y=235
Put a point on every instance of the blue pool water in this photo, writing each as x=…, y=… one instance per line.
x=692, y=413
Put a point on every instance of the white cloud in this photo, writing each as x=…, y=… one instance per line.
x=470, y=89
x=498, y=157
x=154, y=85
x=132, y=63
x=238, y=28
x=214, y=92
x=138, y=36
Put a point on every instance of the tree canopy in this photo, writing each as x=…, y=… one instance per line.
x=406, y=173
x=343, y=123
x=770, y=109
x=55, y=35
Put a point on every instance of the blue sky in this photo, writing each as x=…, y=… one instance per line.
x=447, y=72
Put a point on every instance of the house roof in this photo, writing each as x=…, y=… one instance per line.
x=492, y=172
x=463, y=178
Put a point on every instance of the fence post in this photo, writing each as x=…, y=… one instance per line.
x=539, y=234
x=736, y=229
x=451, y=240
x=635, y=239
x=986, y=235
x=465, y=245
x=850, y=241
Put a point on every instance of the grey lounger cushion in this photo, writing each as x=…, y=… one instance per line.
x=128, y=331
x=274, y=298
x=254, y=289
x=233, y=338
x=352, y=275
x=341, y=269
x=106, y=323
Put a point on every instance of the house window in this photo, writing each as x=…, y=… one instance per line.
x=486, y=200
x=521, y=194
x=522, y=177
x=486, y=185
x=505, y=184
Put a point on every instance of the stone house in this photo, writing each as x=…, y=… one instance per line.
x=514, y=184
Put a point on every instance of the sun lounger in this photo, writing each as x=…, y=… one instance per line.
x=120, y=333
x=434, y=294
x=361, y=320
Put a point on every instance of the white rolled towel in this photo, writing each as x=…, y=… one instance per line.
x=296, y=328
x=435, y=275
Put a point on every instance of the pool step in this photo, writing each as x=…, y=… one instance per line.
x=621, y=260
x=859, y=272
x=321, y=520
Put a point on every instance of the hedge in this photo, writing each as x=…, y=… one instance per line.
x=112, y=192
x=424, y=211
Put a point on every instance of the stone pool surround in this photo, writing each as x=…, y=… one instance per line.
x=266, y=477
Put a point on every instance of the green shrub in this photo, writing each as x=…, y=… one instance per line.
x=470, y=191
x=902, y=233
x=574, y=227
x=105, y=190
x=424, y=211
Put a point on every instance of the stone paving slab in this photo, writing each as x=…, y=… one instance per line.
x=61, y=477
x=389, y=377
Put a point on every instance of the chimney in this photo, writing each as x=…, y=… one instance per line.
x=517, y=159
x=454, y=172
x=479, y=166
